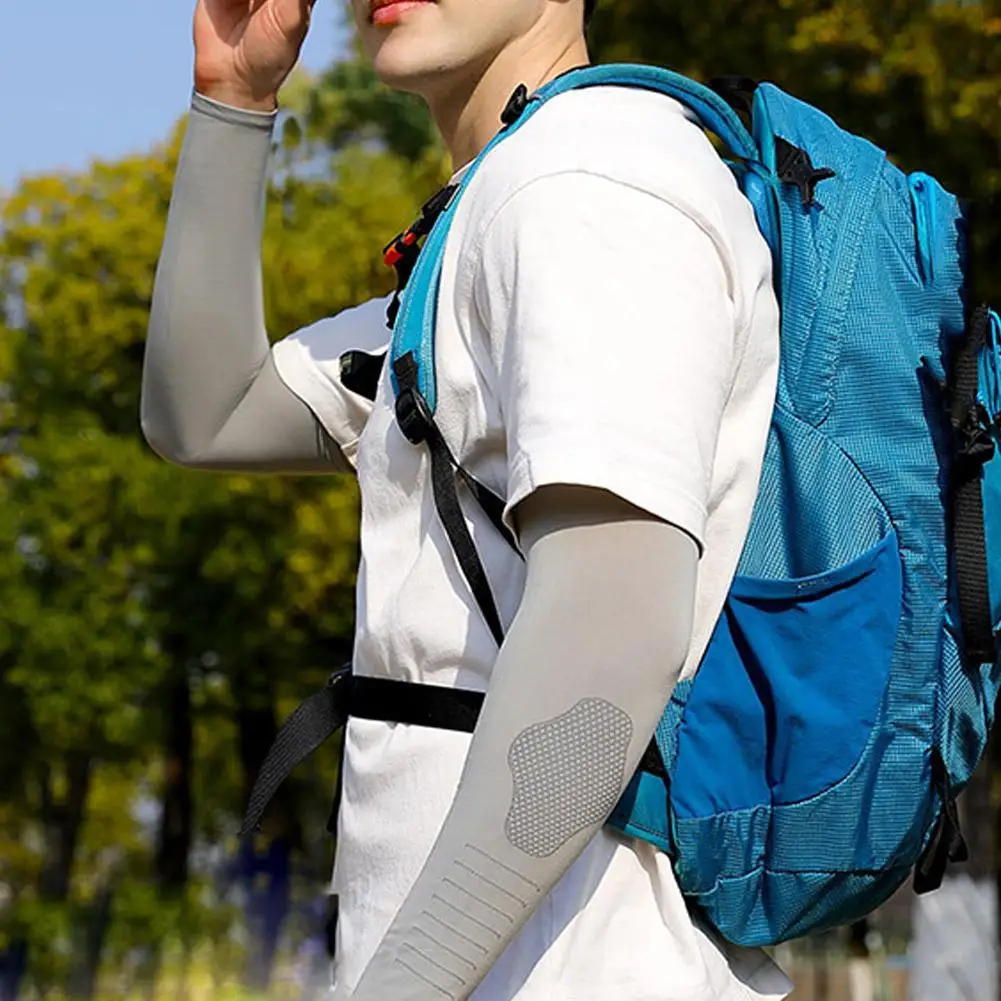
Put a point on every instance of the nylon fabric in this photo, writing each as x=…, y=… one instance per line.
x=766, y=691
x=830, y=528
x=990, y=398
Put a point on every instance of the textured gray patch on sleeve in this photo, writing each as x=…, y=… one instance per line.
x=568, y=774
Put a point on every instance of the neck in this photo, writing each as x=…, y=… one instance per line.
x=468, y=112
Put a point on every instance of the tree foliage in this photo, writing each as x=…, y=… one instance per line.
x=129, y=584
x=920, y=78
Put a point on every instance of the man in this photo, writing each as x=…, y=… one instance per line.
x=607, y=349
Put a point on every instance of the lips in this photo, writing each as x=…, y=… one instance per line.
x=375, y=5
x=383, y=11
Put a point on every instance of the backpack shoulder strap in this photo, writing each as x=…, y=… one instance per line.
x=412, y=352
x=412, y=355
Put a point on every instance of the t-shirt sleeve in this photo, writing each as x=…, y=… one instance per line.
x=308, y=362
x=614, y=337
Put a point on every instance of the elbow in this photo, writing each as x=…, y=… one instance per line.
x=164, y=424
x=162, y=439
x=161, y=444
x=157, y=421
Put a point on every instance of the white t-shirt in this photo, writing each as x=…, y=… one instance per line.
x=606, y=319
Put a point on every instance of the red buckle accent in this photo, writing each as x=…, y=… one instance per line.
x=397, y=249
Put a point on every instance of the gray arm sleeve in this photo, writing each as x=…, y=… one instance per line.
x=211, y=395
x=578, y=688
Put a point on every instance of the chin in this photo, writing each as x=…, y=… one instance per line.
x=405, y=66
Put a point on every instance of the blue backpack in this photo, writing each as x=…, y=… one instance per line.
x=813, y=762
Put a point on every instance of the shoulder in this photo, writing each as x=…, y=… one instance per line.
x=620, y=161
x=621, y=171
x=627, y=137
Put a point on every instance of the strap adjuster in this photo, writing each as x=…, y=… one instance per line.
x=400, y=248
x=974, y=442
x=515, y=106
x=413, y=416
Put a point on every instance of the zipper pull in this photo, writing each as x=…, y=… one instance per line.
x=922, y=188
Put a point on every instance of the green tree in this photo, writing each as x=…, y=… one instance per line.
x=921, y=78
x=143, y=602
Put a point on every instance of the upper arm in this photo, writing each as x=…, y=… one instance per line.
x=589, y=549
x=309, y=364
x=614, y=331
x=271, y=430
x=295, y=415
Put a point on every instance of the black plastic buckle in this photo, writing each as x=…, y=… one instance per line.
x=339, y=676
x=794, y=166
x=974, y=442
x=413, y=416
x=435, y=205
x=402, y=250
x=516, y=105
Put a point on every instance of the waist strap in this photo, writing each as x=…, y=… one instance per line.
x=380, y=699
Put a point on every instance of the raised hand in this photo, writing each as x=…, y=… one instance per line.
x=245, y=49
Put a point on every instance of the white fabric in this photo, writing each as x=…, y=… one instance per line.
x=606, y=320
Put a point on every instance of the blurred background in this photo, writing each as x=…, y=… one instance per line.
x=157, y=625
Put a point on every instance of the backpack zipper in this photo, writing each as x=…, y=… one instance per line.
x=923, y=201
x=990, y=371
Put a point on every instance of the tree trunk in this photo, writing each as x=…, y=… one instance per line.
x=62, y=823
x=176, y=820
x=255, y=719
x=13, y=966
x=257, y=728
x=174, y=843
x=96, y=921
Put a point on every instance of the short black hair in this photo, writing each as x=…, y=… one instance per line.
x=589, y=6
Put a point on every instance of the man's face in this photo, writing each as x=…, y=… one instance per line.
x=422, y=46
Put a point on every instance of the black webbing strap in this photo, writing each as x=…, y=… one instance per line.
x=947, y=843
x=319, y=717
x=360, y=373
x=382, y=699
x=446, y=500
x=418, y=426
x=323, y=714
x=974, y=447
x=389, y=701
x=492, y=505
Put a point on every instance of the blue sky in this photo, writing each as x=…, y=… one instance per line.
x=86, y=79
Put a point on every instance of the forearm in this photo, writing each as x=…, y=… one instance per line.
x=211, y=395
x=577, y=691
